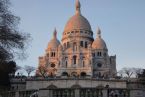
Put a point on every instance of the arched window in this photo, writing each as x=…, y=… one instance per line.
x=53, y=54
x=99, y=54
x=81, y=43
x=75, y=59
x=86, y=44
x=83, y=63
x=66, y=64
x=68, y=45
x=72, y=32
x=74, y=46
x=64, y=74
x=83, y=74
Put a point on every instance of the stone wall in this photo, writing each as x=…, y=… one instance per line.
x=68, y=83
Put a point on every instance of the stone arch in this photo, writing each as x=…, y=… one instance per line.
x=83, y=74
x=52, y=87
x=76, y=86
x=64, y=74
x=74, y=74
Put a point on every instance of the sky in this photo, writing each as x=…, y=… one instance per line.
x=122, y=23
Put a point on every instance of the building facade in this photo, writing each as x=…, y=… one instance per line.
x=79, y=65
x=78, y=54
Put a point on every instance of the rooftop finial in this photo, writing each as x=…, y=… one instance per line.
x=54, y=33
x=98, y=32
x=78, y=7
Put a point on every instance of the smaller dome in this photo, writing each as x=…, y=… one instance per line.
x=99, y=43
x=54, y=43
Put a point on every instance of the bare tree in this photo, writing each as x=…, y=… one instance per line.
x=126, y=72
x=29, y=69
x=120, y=72
x=42, y=70
x=12, y=41
x=137, y=71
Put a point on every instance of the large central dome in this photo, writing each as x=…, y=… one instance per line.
x=77, y=22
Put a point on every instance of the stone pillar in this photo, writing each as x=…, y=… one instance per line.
x=136, y=93
x=44, y=93
x=17, y=94
x=50, y=93
x=104, y=91
x=77, y=93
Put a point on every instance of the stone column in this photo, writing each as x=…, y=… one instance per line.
x=44, y=93
x=136, y=93
x=104, y=91
x=77, y=93
x=17, y=94
x=50, y=93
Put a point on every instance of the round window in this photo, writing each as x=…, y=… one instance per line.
x=52, y=65
x=99, y=65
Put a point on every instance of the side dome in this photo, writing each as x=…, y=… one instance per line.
x=77, y=21
x=99, y=43
x=54, y=43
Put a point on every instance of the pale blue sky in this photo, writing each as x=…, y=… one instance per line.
x=122, y=23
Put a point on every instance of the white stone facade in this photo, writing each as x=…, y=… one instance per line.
x=69, y=83
x=78, y=54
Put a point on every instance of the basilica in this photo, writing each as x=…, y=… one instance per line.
x=78, y=65
x=78, y=54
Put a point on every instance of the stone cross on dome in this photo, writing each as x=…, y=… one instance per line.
x=55, y=33
x=78, y=7
x=98, y=32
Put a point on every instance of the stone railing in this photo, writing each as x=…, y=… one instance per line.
x=91, y=92
x=25, y=93
x=84, y=92
x=76, y=92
